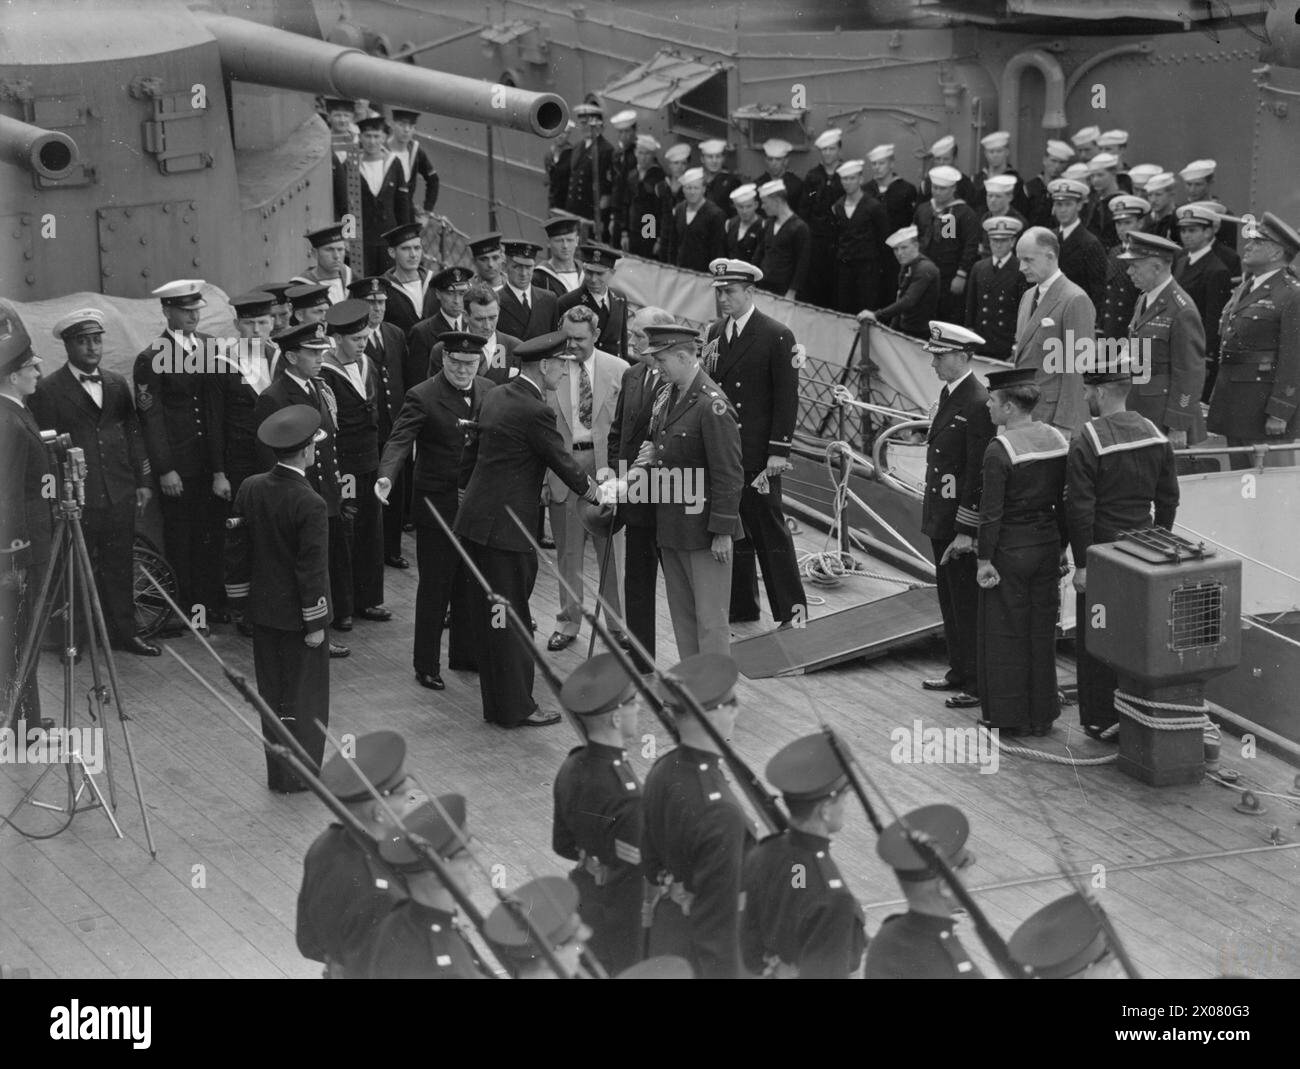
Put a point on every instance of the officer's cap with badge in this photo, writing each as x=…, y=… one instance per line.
x=452, y=280
x=16, y=350
x=1139, y=245
x=1002, y=226
x=184, y=293
x=563, y=223
x=807, y=770
x=347, y=317
x=553, y=346
x=597, y=687
x=291, y=429
x=662, y=336
x=601, y=257
x=428, y=822
x=951, y=338
x=400, y=235
x=551, y=904
x=1061, y=940
x=381, y=757
x=308, y=295
x=326, y=235
x=1067, y=189
x=725, y=272
x=588, y=112
x=1271, y=228
x=82, y=321
x=253, y=304
x=462, y=342
x=1128, y=206
x=524, y=253
x=310, y=336
x=484, y=244
x=709, y=677
x=277, y=290
x=946, y=828
x=370, y=288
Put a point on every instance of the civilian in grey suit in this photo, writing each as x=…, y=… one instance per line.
x=1055, y=330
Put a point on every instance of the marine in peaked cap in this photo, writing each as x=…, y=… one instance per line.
x=597, y=810
x=921, y=943
x=347, y=889
x=551, y=904
x=800, y=920
x=1063, y=941
x=421, y=938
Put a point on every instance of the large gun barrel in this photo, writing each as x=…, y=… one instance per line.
x=252, y=52
x=47, y=153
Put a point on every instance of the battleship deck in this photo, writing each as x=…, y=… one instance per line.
x=219, y=899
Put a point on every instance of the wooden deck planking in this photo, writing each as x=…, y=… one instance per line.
x=203, y=779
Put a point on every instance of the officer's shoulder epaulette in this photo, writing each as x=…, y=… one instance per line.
x=1181, y=299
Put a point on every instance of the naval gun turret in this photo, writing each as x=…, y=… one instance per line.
x=160, y=141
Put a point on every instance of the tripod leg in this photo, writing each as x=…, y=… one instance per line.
x=41, y=614
x=88, y=780
x=101, y=628
x=600, y=587
x=89, y=597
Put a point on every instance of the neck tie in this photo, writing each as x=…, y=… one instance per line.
x=1038, y=296
x=1146, y=303
x=731, y=338
x=944, y=395
x=95, y=377
x=528, y=309
x=584, y=396
x=662, y=392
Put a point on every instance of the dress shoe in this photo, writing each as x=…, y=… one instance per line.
x=408, y=527
x=942, y=683
x=546, y=542
x=962, y=700
x=1094, y=732
x=135, y=644
x=377, y=613
x=342, y=623
x=559, y=641
x=339, y=651
x=431, y=680
x=540, y=719
x=397, y=562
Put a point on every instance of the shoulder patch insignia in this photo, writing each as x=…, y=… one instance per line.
x=143, y=398
x=1184, y=400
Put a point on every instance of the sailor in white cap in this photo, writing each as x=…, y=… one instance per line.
x=787, y=243
x=1160, y=192
x=861, y=227
x=592, y=152
x=1141, y=173
x=1082, y=255
x=92, y=404
x=997, y=156
x=1198, y=177
x=918, y=288
x=950, y=237
x=1116, y=307
x=776, y=153
x=676, y=161
x=899, y=198
x=1085, y=142
x=624, y=162
x=821, y=189
x=1076, y=172
x=943, y=153
x=1056, y=157
x=745, y=228
x=998, y=194
x=644, y=186
x=697, y=235
x=993, y=293
x=173, y=408
x=755, y=361
x=1205, y=277
x=1116, y=143
x=1103, y=176
x=718, y=181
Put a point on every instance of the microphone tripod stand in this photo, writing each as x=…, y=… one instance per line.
x=69, y=585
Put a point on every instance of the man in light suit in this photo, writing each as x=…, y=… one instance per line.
x=585, y=402
x=1054, y=327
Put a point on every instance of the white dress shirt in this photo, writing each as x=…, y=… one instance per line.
x=94, y=389
x=1200, y=254
x=1149, y=298
x=1259, y=280
x=738, y=324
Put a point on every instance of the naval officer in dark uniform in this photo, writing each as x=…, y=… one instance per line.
x=756, y=362
x=993, y=293
x=347, y=889
x=800, y=921
x=597, y=814
x=171, y=387
x=959, y=434
x=596, y=293
x=921, y=944
x=277, y=568
x=303, y=351
x=502, y=467
x=436, y=419
x=1256, y=397
x=420, y=939
x=1119, y=467
x=695, y=833
x=232, y=399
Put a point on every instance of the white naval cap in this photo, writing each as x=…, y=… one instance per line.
x=833, y=136
x=879, y=153
x=1067, y=189
x=898, y=237
x=1112, y=139
x=1000, y=183
x=648, y=143
x=678, y=153
x=1126, y=205
x=776, y=149
x=624, y=119
x=1197, y=170
x=944, y=176
x=773, y=188
x=849, y=168
x=713, y=147
x=82, y=321
x=1060, y=150
x=1103, y=161
x=182, y=293
x=1158, y=182
x=1087, y=136
x=943, y=146
x=694, y=176
x=949, y=337
x=1076, y=171
x=1143, y=173
x=997, y=139
x=744, y=194
x=726, y=271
